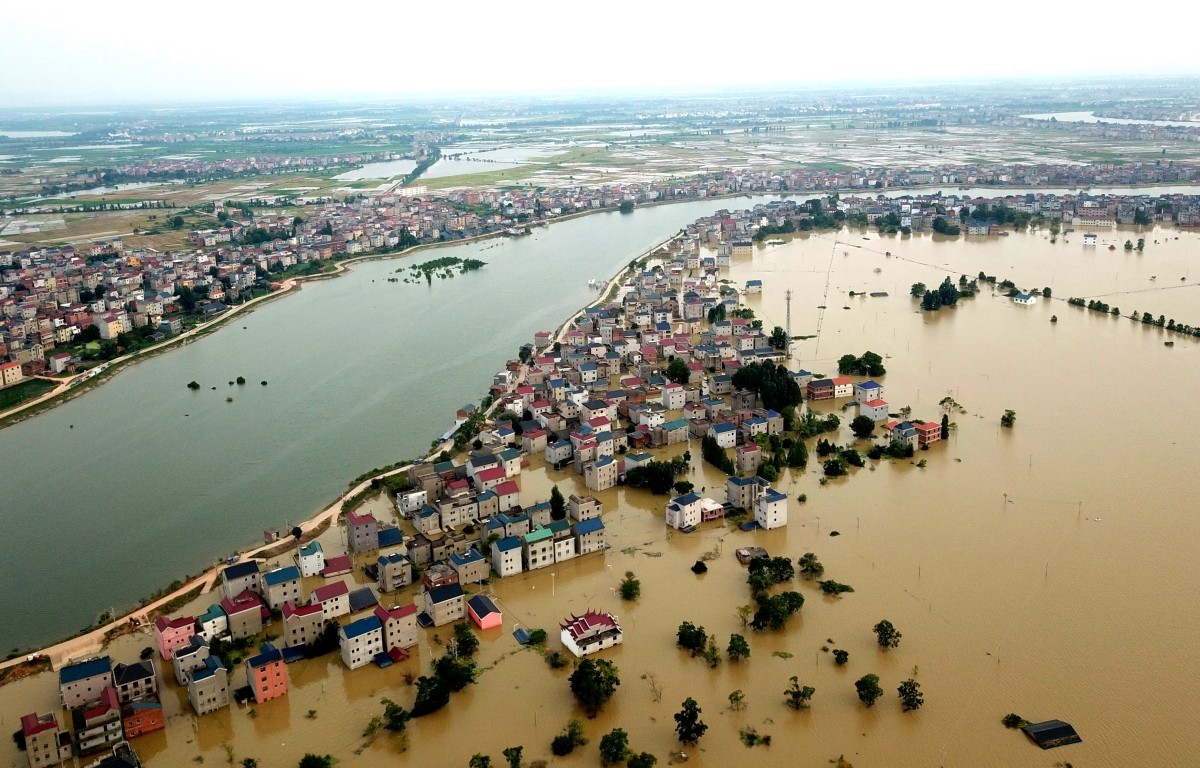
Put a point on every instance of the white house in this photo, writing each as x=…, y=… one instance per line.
x=684, y=511
x=770, y=511
x=361, y=641
x=724, y=433
x=1025, y=298
x=311, y=559
x=591, y=632
x=875, y=410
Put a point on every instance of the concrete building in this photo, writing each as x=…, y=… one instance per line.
x=361, y=641
x=282, y=587
x=46, y=743
x=188, y=658
x=267, y=674
x=245, y=614
x=399, y=626
x=770, y=511
x=583, y=507
x=333, y=598
x=591, y=632
x=395, y=571
x=82, y=683
x=445, y=604
x=135, y=681
x=240, y=577
x=362, y=532
x=506, y=556
x=208, y=687
x=302, y=624
x=311, y=559
x=170, y=634
x=684, y=511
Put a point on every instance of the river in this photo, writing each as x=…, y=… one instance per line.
x=1047, y=570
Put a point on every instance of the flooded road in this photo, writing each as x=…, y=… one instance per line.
x=1047, y=570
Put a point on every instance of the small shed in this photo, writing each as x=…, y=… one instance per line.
x=1051, y=734
x=484, y=612
x=337, y=566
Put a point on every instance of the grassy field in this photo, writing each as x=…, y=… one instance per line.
x=26, y=390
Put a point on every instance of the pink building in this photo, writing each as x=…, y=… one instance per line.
x=173, y=633
x=267, y=674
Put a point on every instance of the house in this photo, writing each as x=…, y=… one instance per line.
x=267, y=674
x=82, y=683
x=395, y=571
x=591, y=632
x=98, y=726
x=590, y=536
x=725, y=433
x=444, y=604
x=770, y=511
x=537, y=548
x=282, y=587
x=843, y=386
x=170, y=634
x=338, y=565
x=302, y=624
x=583, y=507
x=601, y=474
x=471, y=566
x=333, y=598
x=142, y=717
x=46, y=743
x=135, y=681
x=399, y=627
x=239, y=577
x=903, y=431
x=506, y=556
x=683, y=512
x=743, y=492
x=749, y=457
x=1089, y=238
x=208, y=686
x=875, y=410
x=361, y=641
x=410, y=501
x=188, y=658
x=928, y=432
x=508, y=495
x=1024, y=298
x=820, y=389
x=868, y=390
x=213, y=623
x=362, y=532
x=311, y=559
x=674, y=431
x=245, y=614
x=559, y=452
x=484, y=612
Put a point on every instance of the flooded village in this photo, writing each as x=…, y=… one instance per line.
x=719, y=398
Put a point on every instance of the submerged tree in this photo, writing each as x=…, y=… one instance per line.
x=887, y=635
x=594, y=683
x=868, y=689
x=688, y=725
x=910, y=695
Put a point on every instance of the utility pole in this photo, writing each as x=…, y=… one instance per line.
x=787, y=345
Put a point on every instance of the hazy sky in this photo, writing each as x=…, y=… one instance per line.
x=61, y=52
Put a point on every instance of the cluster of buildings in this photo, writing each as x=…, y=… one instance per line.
x=106, y=706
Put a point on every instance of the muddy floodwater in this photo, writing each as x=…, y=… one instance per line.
x=1047, y=570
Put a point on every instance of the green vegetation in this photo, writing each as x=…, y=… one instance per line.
x=831, y=587
x=714, y=454
x=766, y=572
x=868, y=689
x=614, y=747
x=868, y=364
x=1013, y=720
x=910, y=695
x=571, y=737
x=840, y=657
x=775, y=610
x=465, y=641
x=691, y=638
x=631, y=588
x=395, y=717
x=443, y=267
x=1008, y=419
x=862, y=427
x=316, y=761
x=752, y=738
x=946, y=295
x=810, y=566
x=688, y=725
x=944, y=227
x=773, y=383
x=656, y=476
x=10, y=397
x=626, y=206
x=558, y=505
x=812, y=425
x=641, y=760
x=797, y=696
x=738, y=648
x=594, y=682
x=677, y=371
x=886, y=635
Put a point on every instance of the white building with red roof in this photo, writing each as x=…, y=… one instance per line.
x=591, y=632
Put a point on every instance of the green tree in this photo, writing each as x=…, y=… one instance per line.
x=910, y=695
x=691, y=638
x=626, y=206
x=738, y=648
x=918, y=290
x=677, y=371
x=455, y=674
x=775, y=610
x=571, y=737
x=840, y=657
x=614, y=747
x=479, y=760
x=779, y=338
x=868, y=689
x=316, y=761
x=737, y=700
x=1008, y=419
x=945, y=426
x=512, y=756
x=466, y=643
x=631, y=588
x=558, y=505
x=249, y=762
x=862, y=426
x=797, y=455
x=432, y=695
x=886, y=635
x=395, y=717
x=641, y=760
x=797, y=696
x=688, y=725
x=594, y=683
x=810, y=566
